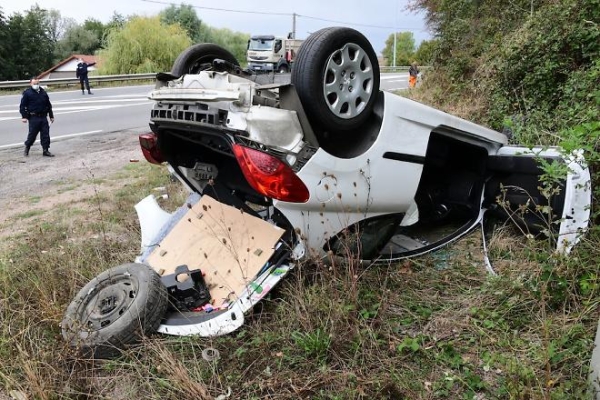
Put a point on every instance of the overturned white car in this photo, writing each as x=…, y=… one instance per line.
x=322, y=164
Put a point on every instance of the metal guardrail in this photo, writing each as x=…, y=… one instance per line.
x=68, y=81
x=401, y=68
x=128, y=77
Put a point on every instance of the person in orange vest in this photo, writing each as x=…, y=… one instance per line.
x=413, y=73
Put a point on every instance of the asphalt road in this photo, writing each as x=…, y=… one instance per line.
x=394, y=81
x=107, y=110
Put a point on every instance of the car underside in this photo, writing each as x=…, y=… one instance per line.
x=315, y=164
x=406, y=170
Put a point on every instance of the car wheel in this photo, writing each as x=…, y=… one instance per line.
x=283, y=69
x=199, y=58
x=115, y=310
x=337, y=78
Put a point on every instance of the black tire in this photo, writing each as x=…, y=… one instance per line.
x=199, y=58
x=337, y=99
x=283, y=69
x=115, y=310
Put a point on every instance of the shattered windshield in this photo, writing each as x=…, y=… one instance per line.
x=261, y=44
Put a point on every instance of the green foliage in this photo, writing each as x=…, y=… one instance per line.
x=541, y=69
x=405, y=48
x=185, y=16
x=56, y=24
x=410, y=345
x=30, y=44
x=235, y=42
x=97, y=28
x=425, y=54
x=77, y=40
x=314, y=344
x=4, y=52
x=143, y=45
x=117, y=21
x=467, y=29
x=509, y=60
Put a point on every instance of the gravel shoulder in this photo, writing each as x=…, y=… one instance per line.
x=37, y=183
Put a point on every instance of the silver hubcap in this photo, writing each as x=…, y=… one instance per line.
x=348, y=81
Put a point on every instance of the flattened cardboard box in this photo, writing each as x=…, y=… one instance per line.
x=229, y=246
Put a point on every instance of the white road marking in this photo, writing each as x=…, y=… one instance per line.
x=54, y=138
x=384, y=78
x=90, y=101
x=69, y=110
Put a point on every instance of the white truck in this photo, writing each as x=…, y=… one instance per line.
x=268, y=53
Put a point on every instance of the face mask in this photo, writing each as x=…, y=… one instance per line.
x=35, y=87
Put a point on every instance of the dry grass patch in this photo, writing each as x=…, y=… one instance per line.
x=434, y=327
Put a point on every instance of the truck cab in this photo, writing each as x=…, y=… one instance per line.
x=269, y=53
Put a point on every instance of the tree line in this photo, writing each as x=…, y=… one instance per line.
x=33, y=41
x=406, y=50
x=531, y=65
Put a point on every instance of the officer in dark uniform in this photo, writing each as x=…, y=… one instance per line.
x=82, y=74
x=35, y=109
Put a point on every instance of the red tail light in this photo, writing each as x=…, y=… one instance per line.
x=148, y=143
x=269, y=176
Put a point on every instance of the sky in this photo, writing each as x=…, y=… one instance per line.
x=376, y=19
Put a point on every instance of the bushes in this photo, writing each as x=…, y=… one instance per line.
x=549, y=68
x=534, y=62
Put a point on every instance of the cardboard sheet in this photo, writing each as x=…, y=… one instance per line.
x=227, y=245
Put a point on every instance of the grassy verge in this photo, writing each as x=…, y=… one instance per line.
x=434, y=327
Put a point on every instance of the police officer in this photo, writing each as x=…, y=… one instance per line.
x=35, y=108
x=82, y=74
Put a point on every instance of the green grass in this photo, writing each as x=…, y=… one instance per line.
x=68, y=188
x=435, y=327
x=30, y=214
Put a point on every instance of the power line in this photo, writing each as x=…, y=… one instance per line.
x=220, y=9
x=351, y=23
x=282, y=14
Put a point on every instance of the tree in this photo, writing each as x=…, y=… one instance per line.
x=97, y=27
x=235, y=42
x=405, y=48
x=467, y=29
x=5, y=62
x=425, y=54
x=57, y=25
x=29, y=44
x=117, y=21
x=533, y=64
x=186, y=17
x=143, y=45
x=77, y=40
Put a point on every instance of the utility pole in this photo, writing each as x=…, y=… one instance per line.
x=294, y=26
x=395, y=32
x=394, y=61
